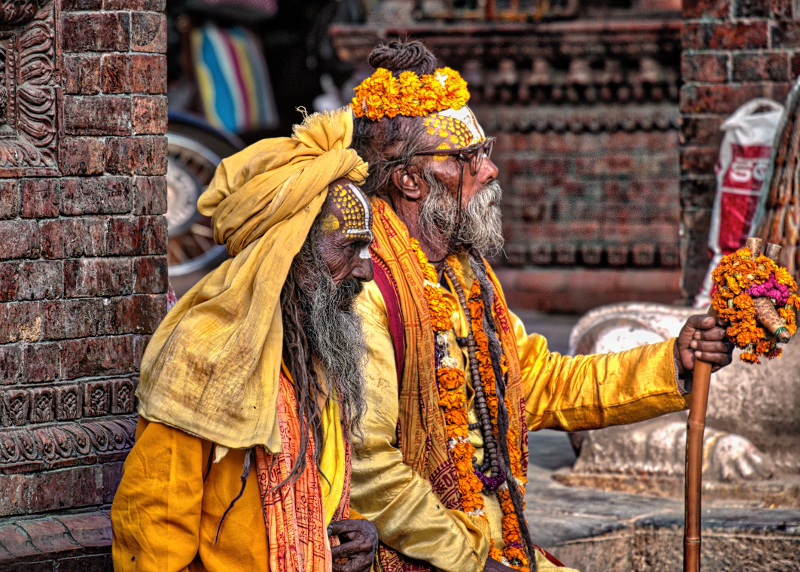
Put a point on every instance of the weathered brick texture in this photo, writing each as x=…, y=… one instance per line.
x=733, y=51
x=590, y=199
x=82, y=156
x=97, y=32
x=83, y=280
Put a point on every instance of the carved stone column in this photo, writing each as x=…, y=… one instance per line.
x=82, y=266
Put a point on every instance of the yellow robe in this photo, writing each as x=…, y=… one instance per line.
x=166, y=510
x=561, y=392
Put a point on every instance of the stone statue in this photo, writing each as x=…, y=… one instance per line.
x=753, y=429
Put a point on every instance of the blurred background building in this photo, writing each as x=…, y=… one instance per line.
x=583, y=97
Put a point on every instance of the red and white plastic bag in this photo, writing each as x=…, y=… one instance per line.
x=741, y=169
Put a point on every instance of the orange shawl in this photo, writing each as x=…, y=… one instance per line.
x=294, y=514
x=421, y=427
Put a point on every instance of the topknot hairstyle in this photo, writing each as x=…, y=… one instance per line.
x=392, y=142
x=399, y=56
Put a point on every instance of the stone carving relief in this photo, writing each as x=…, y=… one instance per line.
x=583, y=67
x=29, y=88
x=17, y=11
x=15, y=407
x=752, y=427
x=67, y=402
x=122, y=396
x=42, y=405
x=43, y=446
x=98, y=398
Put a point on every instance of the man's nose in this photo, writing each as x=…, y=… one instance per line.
x=363, y=270
x=488, y=172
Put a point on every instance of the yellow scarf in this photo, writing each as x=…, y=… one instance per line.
x=212, y=366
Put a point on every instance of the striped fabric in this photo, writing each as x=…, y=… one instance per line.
x=232, y=75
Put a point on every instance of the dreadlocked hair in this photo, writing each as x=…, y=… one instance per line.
x=496, y=352
x=392, y=142
x=398, y=56
x=297, y=355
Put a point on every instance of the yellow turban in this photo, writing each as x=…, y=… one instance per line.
x=211, y=368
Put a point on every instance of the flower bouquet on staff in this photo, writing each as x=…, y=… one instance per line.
x=757, y=298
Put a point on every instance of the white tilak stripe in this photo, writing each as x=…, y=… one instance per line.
x=365, y=204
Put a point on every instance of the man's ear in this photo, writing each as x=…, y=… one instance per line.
x=408, y=181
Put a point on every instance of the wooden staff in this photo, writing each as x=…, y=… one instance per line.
x=694, y=461
x=769, y=318
x=694, y=450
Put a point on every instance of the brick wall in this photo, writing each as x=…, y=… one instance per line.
x=733, y=51
x=591, y=199
x=590, y=218
x=83, y=270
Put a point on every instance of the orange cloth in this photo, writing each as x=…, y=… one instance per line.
x=169, y=504
x=295, y=516
x=165, y=516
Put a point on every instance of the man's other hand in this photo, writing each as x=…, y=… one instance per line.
x=703, y=338
x=359, y=542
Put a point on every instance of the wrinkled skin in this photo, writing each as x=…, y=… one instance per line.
x=343, y=252
x=344, y=255
x=359, y=543
x=703, y=338
x=414, y=190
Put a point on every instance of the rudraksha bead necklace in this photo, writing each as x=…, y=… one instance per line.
x=491, y=459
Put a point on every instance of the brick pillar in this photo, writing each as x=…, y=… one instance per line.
x=83, y=271
x=733, y=51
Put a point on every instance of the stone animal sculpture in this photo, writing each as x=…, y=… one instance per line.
x=752, y=425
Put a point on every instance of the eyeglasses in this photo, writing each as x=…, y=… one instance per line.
x=473, y=155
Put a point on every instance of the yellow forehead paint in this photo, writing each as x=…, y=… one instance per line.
x=354, y=208
x=330, y=222
x=453, y=132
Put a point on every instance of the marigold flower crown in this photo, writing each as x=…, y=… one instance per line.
x=383, y=95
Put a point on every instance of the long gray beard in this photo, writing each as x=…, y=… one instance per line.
x=481, y=221
x=335, y=337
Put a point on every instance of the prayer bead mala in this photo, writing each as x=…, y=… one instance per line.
x=491, y=456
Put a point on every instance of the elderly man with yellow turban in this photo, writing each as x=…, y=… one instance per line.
x=454, y=383
x=253, y=383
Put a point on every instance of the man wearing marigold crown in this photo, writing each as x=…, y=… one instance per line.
x=453, y=381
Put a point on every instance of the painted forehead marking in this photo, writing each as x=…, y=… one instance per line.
x=456, y=128
x=354, y=207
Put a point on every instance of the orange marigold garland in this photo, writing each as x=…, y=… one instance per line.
x=383, y=95
x=512, y=554
x=741, y=277
x=452, y=394
x=452, y=400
